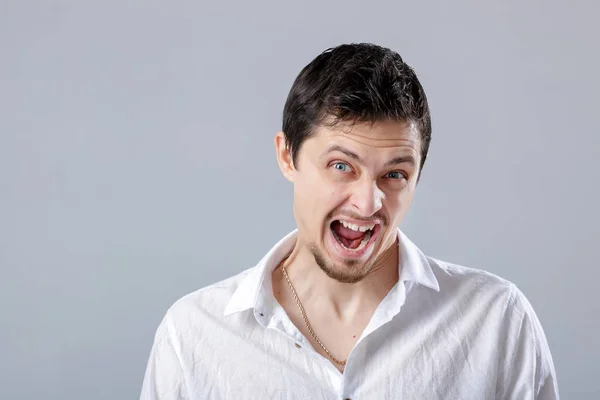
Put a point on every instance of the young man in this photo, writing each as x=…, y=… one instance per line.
x=346, y=306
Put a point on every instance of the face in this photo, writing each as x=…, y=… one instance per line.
x=352, y=188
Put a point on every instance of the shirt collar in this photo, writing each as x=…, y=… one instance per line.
x=414, y=266
x=255, y=290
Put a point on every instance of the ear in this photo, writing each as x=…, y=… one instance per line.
x=284, y=157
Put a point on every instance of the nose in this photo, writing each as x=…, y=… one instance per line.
x=367, y=198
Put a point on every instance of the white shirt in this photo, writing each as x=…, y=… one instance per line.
x=442, y=332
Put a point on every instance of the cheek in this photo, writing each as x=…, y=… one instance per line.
x=398, y=204
x=312, y=194
x=324, y=190
x=318, y=193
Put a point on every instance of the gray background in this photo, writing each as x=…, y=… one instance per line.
x=137, y=164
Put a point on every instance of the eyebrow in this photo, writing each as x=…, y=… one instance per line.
x=394, y=161
x=339, y=148
x=401, y=160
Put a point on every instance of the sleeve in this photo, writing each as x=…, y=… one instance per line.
x=526, y=370
x=165, y=377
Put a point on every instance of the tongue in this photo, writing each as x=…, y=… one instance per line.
x=349, y=237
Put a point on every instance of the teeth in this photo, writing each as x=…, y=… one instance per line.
x=358, y=228
x=364, y=242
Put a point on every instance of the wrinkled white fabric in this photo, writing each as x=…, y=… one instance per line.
x=443, y=332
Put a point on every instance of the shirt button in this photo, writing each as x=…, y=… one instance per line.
x=298, y=346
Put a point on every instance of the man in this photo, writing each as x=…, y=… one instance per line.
x=346, y=306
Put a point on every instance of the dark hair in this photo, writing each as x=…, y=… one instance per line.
x=356, y=83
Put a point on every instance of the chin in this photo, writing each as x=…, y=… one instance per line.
x=344, y=270
x=347, y=273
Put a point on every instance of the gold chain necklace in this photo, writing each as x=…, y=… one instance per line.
x=308, y=325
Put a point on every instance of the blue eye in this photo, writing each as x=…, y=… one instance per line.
x=395, y=175
x=341, y=167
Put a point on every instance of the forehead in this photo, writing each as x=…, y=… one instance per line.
x=367, y=137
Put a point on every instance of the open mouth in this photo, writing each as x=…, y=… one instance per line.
x=353, y=237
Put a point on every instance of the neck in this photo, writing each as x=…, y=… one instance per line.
x=341, y=300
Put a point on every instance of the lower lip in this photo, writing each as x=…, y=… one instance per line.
x=348, y=253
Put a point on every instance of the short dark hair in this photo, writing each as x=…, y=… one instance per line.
x=356, y=83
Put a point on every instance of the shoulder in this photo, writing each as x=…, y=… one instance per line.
x=481, y=286
x=207, y=301
x=453, y=277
